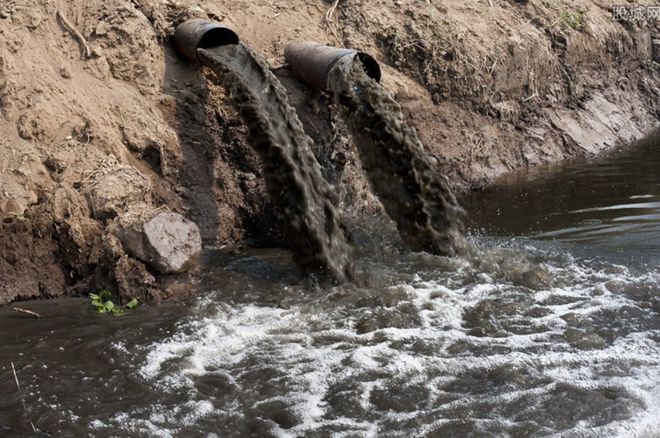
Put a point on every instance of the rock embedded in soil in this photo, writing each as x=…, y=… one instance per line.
x=12, y=207
x=168, y=242
x=116, y=191
x=173, y=242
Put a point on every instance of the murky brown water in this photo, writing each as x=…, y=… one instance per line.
x=607, y=206
x=539, y=332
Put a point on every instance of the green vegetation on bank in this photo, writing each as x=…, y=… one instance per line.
x=102, y=304
x=575, y=20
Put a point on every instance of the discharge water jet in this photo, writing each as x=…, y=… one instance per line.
x=414, y=194
x=293, y=175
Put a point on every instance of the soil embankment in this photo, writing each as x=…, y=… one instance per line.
x=114, y=124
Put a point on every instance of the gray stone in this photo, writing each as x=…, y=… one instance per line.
x=168, y=242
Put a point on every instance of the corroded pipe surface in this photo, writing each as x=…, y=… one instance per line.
x=201, y=34
x=312, y=62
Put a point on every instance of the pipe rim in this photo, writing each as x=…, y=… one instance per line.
x=201, y=34
x=217, y=36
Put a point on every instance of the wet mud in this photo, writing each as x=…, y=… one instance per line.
x=293, y=175
x=414, y=194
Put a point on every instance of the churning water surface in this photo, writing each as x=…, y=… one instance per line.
x=550, y=327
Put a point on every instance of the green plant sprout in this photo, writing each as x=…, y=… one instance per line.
x=574, y=20
x=102, y=304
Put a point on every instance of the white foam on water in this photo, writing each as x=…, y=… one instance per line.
x=314, y=370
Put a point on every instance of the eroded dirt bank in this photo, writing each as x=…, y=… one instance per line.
x=91, y=135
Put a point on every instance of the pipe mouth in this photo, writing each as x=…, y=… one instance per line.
x=370, y=65
x=216, y=37
x=201, y=34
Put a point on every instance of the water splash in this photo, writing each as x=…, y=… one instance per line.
x=460, y=346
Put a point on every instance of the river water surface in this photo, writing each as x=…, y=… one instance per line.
x=550, y=327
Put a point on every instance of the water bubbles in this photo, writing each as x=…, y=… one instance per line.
x=517, y=341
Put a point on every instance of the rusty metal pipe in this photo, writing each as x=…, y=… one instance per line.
x=311, y=62
x=201, y=34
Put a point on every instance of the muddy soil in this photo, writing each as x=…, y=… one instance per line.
x=91, y=132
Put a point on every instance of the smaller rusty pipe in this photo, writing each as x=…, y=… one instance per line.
x=201, y=34
x=312, y=62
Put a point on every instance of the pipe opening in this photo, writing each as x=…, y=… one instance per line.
x=216, y=37
x=371, y=66
x=201, y=34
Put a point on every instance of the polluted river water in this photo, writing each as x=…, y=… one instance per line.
x=549, y=327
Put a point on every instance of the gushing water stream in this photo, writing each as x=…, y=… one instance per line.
x=293, y=175
x=412, y=191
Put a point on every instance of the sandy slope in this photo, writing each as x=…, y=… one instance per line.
x=492, y=86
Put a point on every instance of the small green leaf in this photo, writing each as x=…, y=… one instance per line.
x=105, y=295
x=132, y=304
x=109, y=305
x=100, y=310
x=94, y=297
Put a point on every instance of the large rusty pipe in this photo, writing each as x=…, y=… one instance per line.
x=311, y=62
x=201, y=34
